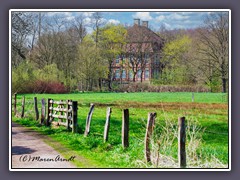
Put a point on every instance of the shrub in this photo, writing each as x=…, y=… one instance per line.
x=146, y=87
x=27, y=79
x=22, y=77
x=48, y=87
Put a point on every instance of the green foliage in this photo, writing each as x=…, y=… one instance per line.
x=26, y=78
x=22, y=76
x=174, y=50
x=50, y=73
x=112, y=39
x=175, y=61
x=65, y=52
x=91, y=66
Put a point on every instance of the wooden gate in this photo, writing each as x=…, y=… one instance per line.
x=64, y=111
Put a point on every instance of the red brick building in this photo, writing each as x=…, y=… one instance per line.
x=142, y=53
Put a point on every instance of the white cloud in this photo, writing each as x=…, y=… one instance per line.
x=177, y=16
x=113, y=21
x=145, y=16
x=67, y=13
x=89, y=30
x=178, y=26
x=59, y=13
x=88, y=14
x=185, y=13
x=87, y=20
x=157, y=12
x=162, y=13
x=69, y=18
x=168, y=26
x=160, y=18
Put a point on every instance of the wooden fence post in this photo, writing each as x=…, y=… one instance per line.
x=107, y=124
x=192, y=97
x=68, y=113
x=23, y=106
x=43, y=111
x=48, y=112
x=181, y=142
x=125, y=128
x=60, y=106
x=88, y=120
x=149, y=132
x=74, y=116
x=15, y=104
x=36, y=108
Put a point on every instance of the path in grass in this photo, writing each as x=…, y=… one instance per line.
x=28, y=144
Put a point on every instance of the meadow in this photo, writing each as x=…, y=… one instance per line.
x=207, y=129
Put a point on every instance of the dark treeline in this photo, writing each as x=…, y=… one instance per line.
x=56, y=54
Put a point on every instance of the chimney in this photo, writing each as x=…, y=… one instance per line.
x=145, y=24
x=137, y=22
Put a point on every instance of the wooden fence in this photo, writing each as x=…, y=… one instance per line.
x=66, y=114
x=64, y=111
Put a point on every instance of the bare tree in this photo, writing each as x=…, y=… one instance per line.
x=77, y=30
x=97, y=22
x=214, y=37
x=21, y=29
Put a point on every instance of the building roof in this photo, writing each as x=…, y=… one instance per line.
x=141, y=38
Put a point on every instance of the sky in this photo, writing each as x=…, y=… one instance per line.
x=171, y=19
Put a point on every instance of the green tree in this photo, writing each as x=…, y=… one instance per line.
x=89, y=68
x=23, y=76
x=174, y=62
x=112, y=39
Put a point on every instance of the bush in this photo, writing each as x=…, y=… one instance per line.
x=27, y=79
x=22, y=77
x=48, y=87
x=146, y=87
x=40, y=86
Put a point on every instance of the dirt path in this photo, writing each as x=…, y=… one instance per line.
x=30, y=151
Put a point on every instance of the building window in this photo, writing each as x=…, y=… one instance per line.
x=157, y=61
x=146, y=74
x=156, y=73
x=117, y=74
x=146, y=57
x=124, y=74
x=130, y=74
x=117, y=59
x=139, y=73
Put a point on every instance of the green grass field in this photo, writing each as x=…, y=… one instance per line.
x=207, y=132
x=138, y=97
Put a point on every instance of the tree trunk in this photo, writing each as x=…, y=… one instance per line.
x=109, y=85
x=224, y=85
x=110, y=76
x=100, y=84
x=141, y=76
x=134, y=76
